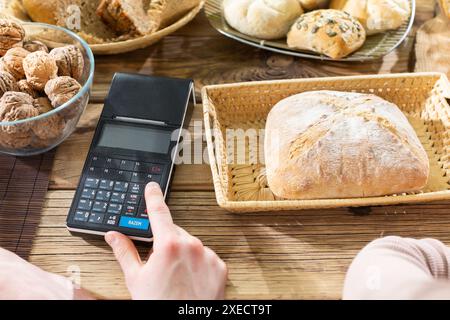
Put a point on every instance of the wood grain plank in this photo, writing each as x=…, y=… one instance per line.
x=300, y=254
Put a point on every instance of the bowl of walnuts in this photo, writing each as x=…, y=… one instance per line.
x=46, y=73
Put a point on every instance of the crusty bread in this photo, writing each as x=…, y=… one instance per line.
x=328, y=144
x=308, y=5
x=58, y=12
x=126, y=16
x=330, y=32
x=376, y=15
x=263, y=19
x=165, y=12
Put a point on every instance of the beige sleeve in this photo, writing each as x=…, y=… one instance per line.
x=400, y=268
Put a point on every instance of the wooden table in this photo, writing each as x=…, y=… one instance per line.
x=302, y=254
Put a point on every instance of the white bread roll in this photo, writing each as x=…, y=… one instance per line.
x=308, y=5
x=328, y=144
x=330, y=32
x=376, y=15
x=263, y=19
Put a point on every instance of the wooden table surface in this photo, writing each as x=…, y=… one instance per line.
x=302, y=254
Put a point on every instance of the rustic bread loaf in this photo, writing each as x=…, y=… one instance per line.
x=313, y=4
x=126, y=17
x=64, y=13
x=328, y=144
x=330, y=32
x=263, y=19
x=376, y=15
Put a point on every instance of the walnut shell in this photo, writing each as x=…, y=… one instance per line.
x=24, y=86
x=34, y=45
x=70, y=61
x=39, y=68
x=16, y=106
x=11, y=35
x=61, y=89
x=16, y=140
x=49, y=128
x=7, y=83
x=13, y=61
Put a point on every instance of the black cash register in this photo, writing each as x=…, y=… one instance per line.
x=137, y=134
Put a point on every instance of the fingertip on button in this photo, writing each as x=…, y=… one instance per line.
x=152, y=186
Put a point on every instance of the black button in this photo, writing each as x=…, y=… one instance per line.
x=91, y=182
x=106, y=184
x=112, y=219
x=138, y=166
x=94, y=172
x=114, y=208
x=112, y=163
x=96, y=218
x=136, y=188
x=142, y=211
x=103, y=195
x=81, y=216
x=97, y=161
x=130, y=210
x=133, y=199
x=138, y=177
x=127, y=165
x=85, y=204
x=88, y=193
x=117, y=197
x=121, y=186
x=122, y=175
x=99, y=206
x=155, y=178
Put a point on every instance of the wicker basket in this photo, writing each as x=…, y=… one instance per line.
x=242, y=186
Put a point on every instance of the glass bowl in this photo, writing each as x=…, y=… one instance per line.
x=19, y=137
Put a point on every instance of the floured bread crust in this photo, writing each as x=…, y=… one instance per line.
x=263, y=19
x=327, y=144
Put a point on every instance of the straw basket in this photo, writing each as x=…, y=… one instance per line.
x=241, y=184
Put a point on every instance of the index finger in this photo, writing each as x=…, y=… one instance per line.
x=158, y=213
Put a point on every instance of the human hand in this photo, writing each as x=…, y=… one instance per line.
x=179, y=267
x=20, y=280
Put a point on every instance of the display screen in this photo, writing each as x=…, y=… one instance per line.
x=135, y=138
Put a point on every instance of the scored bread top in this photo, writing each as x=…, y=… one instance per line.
x=327, y=144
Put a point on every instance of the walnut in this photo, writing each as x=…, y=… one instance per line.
x=61, y=89
x=70, y=61
x=39, y=68
x=11, y=35
x=13, y=61
x=24, y=86
x=15, y=141
x=16, y=106
x=34, y=45
x=7, y=83
x=50, y=127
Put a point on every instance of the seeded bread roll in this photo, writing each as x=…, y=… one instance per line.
x=263, y=19
x=328, y=144
x=330, y=32
x=376, y=15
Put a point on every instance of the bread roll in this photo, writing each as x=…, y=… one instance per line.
x=330, y=32
x=308, y=5
x=376, y=15
x=263, y=19
x=328, y=144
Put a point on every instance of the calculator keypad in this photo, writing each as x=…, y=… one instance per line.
x=112, y=193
